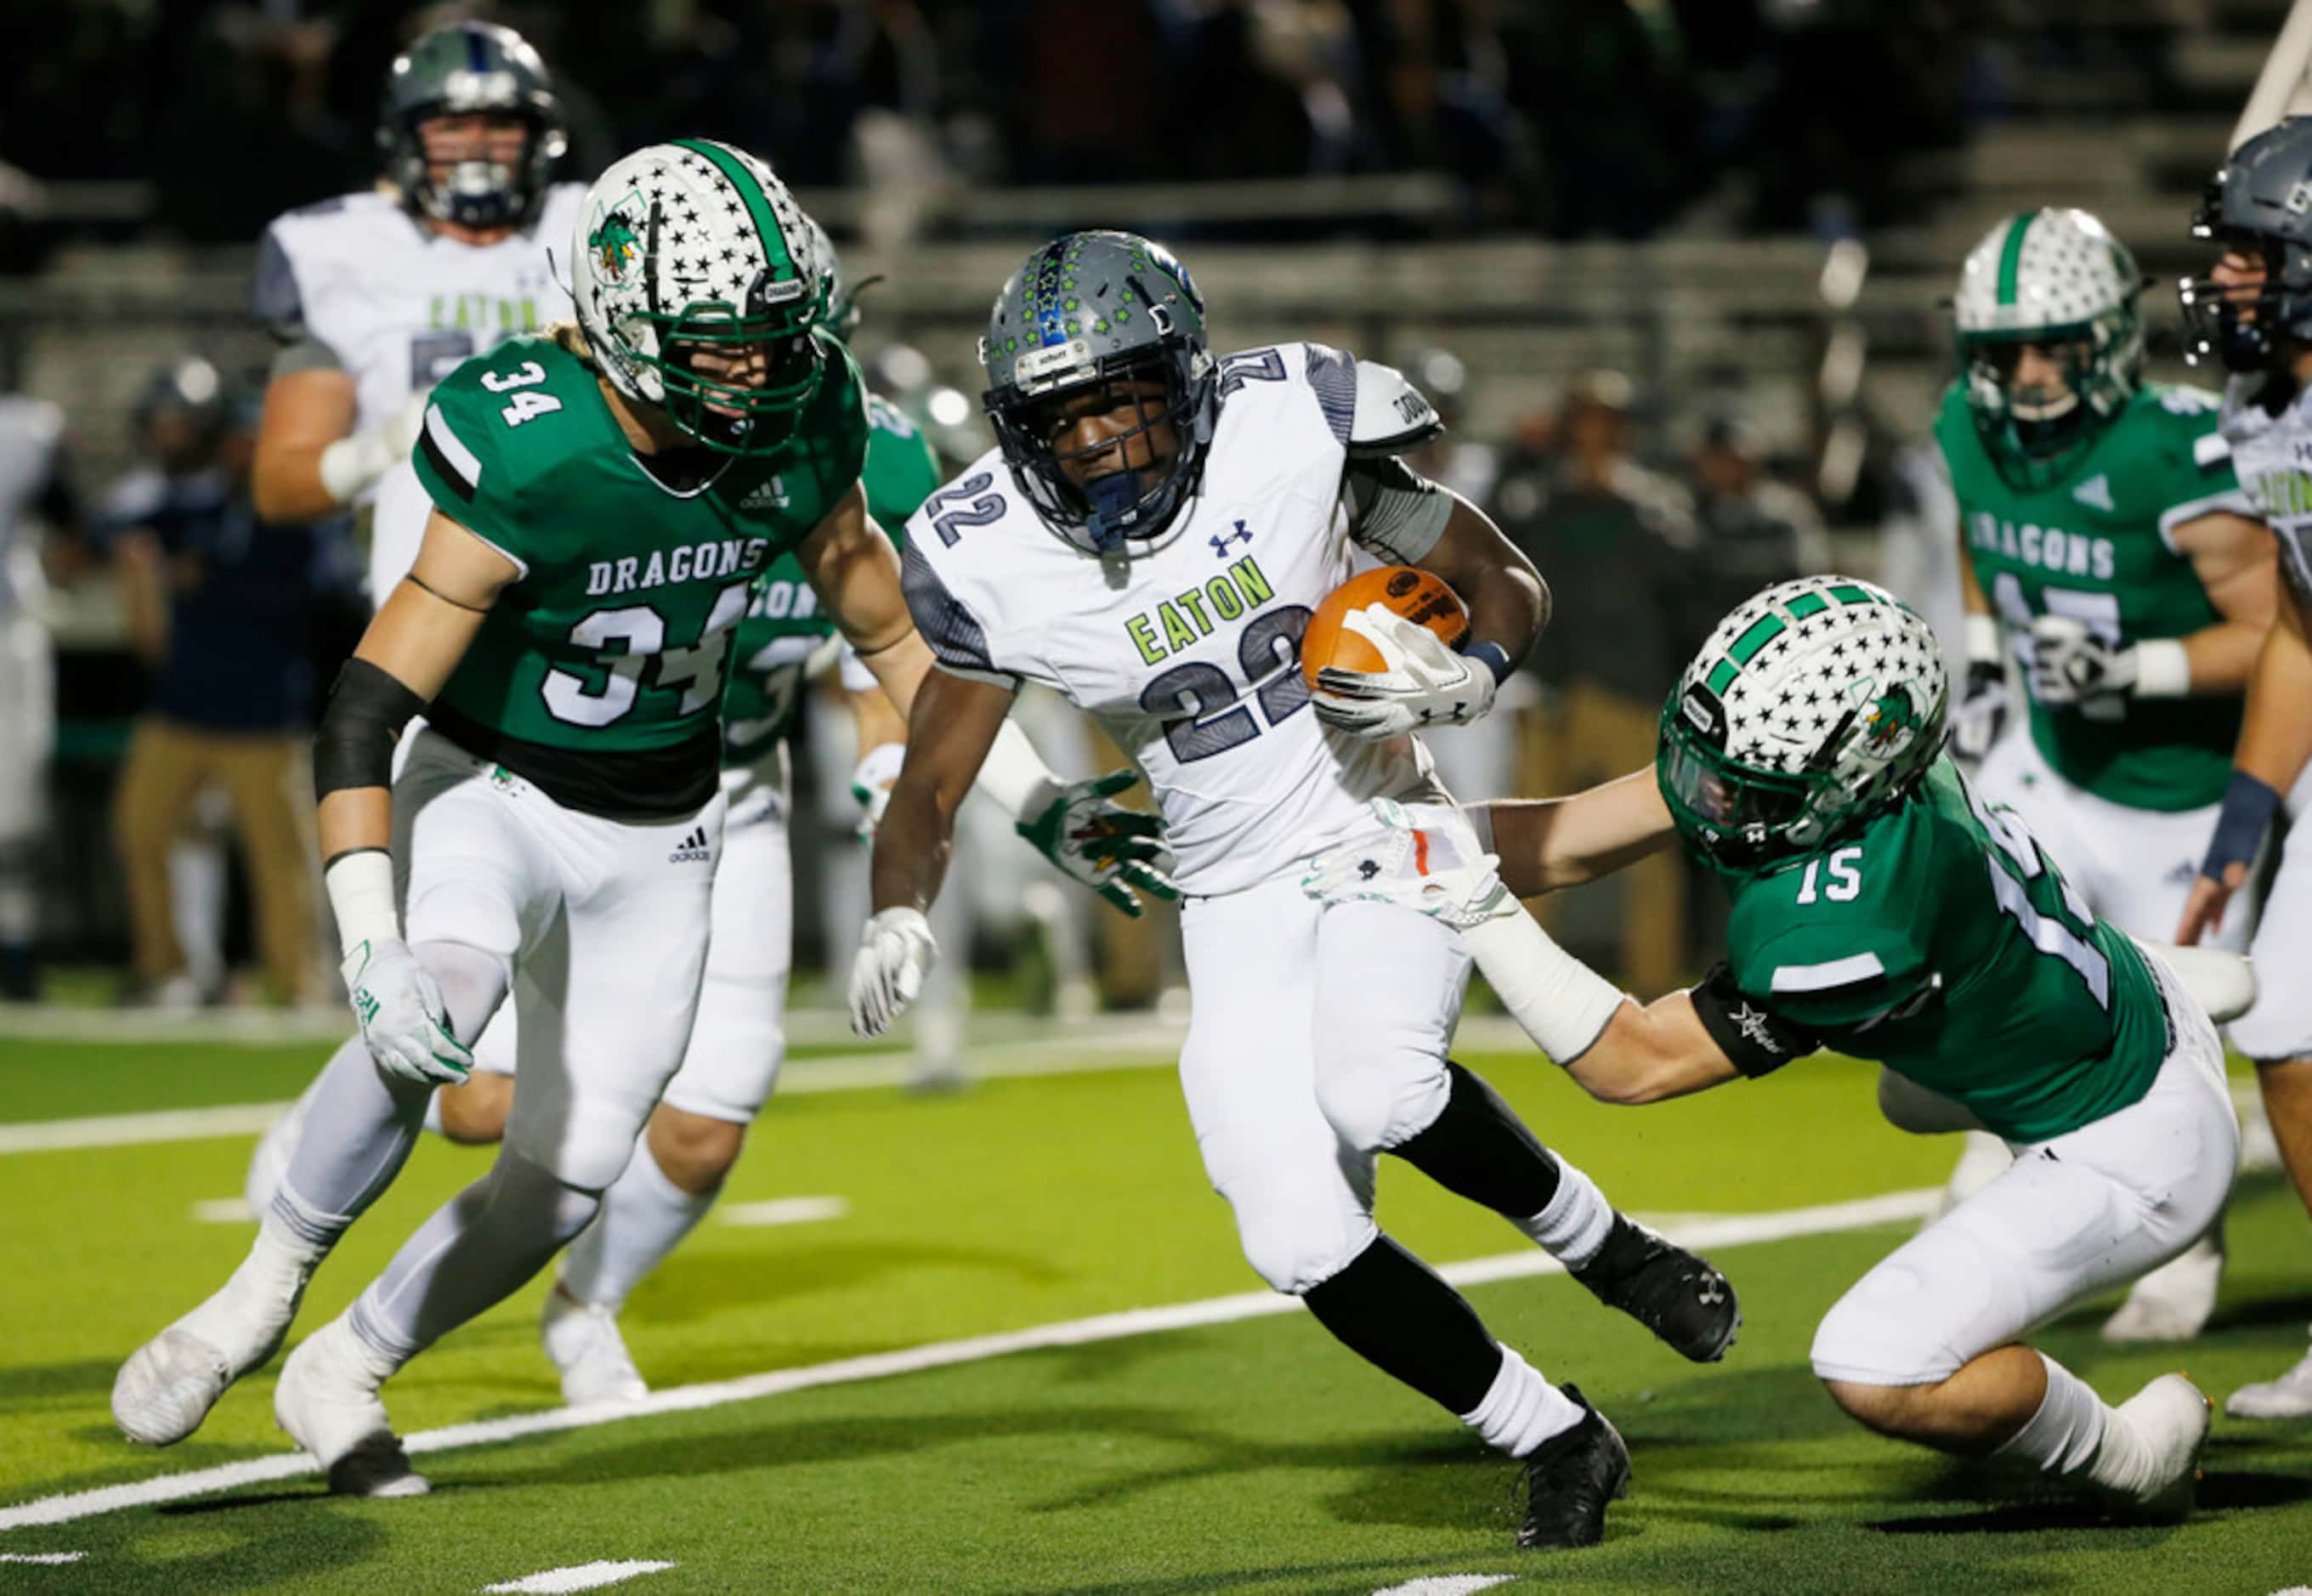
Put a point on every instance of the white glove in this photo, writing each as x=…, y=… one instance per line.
x=896, y=952
x=1981, y=712
x=1426, y=859
x=2070, y=665
x=871, y=783
x=351, y=464
x=1424, y=683
x=402, y=1018
x=1099, y=842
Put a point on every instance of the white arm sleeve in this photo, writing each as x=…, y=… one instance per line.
x=1561, y=1002
x=1016, y=777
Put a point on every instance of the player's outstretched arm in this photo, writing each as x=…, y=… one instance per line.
x=1548, y=843
x=404, y=657
x=2234, y=557
x=309, y=461
x=2276, y=742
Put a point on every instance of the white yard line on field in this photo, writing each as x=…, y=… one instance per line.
x=1728, y=1230
x=1448, y=1584
x=584, y=1576
x=784, y=1210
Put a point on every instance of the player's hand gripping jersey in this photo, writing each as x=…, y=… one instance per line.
x=1189, y=653
x=785, y=625
x=600, y=673
x=2093, y=545
x=1940, y=941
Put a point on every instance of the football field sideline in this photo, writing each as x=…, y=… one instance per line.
x=1693, y=1230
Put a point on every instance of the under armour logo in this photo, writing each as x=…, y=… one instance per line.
x=1367, y=868
x=1221, y=544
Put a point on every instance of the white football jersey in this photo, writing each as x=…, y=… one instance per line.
x=29, y=430
x=402, y=306
x=1189, y=654
x=2274, y=456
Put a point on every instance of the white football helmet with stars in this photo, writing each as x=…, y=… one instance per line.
x=1814, y=705
x=694, y=245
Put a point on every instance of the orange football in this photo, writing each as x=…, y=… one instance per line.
x=1412, y=593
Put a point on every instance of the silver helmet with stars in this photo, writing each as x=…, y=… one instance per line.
x=693, y=248
x=1815, y=705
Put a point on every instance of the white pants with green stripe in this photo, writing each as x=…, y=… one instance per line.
x=2071, y=1215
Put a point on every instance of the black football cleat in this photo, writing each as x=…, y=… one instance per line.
x=1570, y=1479
x=1675, y=1293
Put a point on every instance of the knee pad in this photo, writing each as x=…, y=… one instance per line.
x=1886, y=1330
x=537, y=1201
x=1295, y=1244
x=1375, y=1098
x=473, y=983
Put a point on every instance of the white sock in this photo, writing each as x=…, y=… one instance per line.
x=2069, y=1432
x=1521, y=1409
x=644, y=1216
x=1577, y=1221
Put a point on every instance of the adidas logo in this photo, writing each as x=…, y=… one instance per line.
x=2095, y=493
x=692, y=850
x=767, y=495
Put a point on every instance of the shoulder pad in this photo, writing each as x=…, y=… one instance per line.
x=1392, y=416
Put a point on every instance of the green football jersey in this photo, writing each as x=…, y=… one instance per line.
x=784, y=625
x=1943, y=943
x=2096, y=546
x=599, y=673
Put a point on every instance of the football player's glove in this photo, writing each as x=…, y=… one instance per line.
x=1982, y=712
x=896, y=952
x=1105, y=846
x=1424, y=682
x=1426, y=858
x=402, y=1018
x=2070, y=665
x=871, y=783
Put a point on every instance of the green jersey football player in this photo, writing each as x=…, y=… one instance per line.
x=2107, y=547
x=606, y=498
x=1883, y=909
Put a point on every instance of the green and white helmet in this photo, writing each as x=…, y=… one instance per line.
x=2055, y=278
x=1815, y=704
x=691, y=246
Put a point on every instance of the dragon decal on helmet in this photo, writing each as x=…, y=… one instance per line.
x=2055, y=280
x=464, y=69
x=1814, y=706
x=1102, y=315
x=694, y=247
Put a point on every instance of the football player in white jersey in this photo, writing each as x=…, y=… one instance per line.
x=378, y=295
x=1150, y=539
x=375, y=297
x=2253, y=313
x=31, y=435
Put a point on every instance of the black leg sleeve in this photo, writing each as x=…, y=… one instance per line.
x=1393, y=1310
x=1479, y=1148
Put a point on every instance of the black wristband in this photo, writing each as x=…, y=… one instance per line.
x=2248, y=808
x=368, y=708
x=1758, y=1041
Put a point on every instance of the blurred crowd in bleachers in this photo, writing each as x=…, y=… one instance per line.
x=1576, y=117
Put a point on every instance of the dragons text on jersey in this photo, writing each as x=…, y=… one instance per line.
x=2096, y=544
x=600, y=672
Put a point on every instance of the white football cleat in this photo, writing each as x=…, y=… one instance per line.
x=2172, y=1302
x=327, y=1401
x=275, y=1149
x=168, y=1385
x=2170, y=1418
x=583, y=1341
x=2288, y=1397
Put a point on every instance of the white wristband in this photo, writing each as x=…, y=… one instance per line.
x=2163, y=668
x=1561, y=1003
x=1015, y=775
x=361, y=894
x=1984, y=645
x=351, y=464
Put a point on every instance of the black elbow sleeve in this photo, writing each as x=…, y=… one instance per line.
x=367, y=710
x=1758, y=1041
